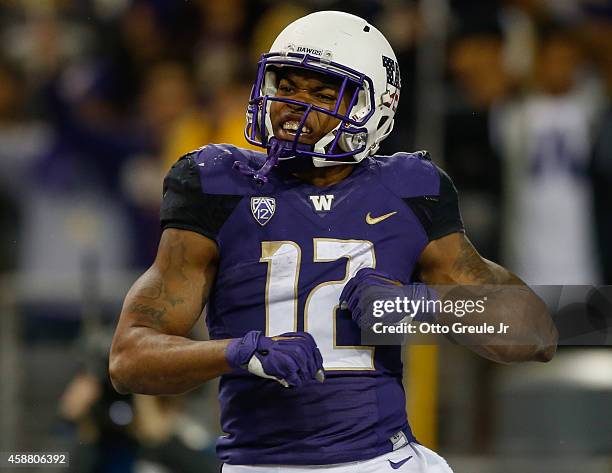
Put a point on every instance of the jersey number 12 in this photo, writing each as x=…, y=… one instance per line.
x=284, y=259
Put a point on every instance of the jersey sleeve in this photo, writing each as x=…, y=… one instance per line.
x=187, y=206
x=439, y=214
x=446, y=217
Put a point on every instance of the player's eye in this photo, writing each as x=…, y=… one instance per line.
x=327, y=98
x=285, y=89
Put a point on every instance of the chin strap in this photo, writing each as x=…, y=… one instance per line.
x=275, y=151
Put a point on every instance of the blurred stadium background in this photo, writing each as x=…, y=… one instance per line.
x=97, y=99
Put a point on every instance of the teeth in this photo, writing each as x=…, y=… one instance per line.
x=292, y=125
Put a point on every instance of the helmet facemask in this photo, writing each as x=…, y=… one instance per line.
x=342, y=144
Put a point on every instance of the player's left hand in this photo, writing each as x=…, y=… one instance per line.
x=370, y=285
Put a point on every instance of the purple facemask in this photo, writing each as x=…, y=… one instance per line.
x=257, y=134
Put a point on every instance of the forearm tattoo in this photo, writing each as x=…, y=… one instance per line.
x=149, y=314
x=472, y=267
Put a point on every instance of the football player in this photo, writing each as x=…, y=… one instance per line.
x=282, y=245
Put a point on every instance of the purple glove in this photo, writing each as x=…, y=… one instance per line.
x=369, y=285
x=292, y=358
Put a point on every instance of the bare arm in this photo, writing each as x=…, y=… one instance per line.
x=452, y=260
x=150, y=353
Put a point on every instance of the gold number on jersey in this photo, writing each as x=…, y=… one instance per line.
x=284, y=258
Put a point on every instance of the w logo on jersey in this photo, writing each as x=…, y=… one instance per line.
x=322, y=202
x=263, y=209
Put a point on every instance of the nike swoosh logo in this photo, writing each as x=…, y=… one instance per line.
x=398, y=465
x=374, y=220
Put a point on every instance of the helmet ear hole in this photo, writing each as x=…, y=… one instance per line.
x=384, y=128
x=383, y=124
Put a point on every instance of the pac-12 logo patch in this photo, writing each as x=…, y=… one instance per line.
x=263, y=209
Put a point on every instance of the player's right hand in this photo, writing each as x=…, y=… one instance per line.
x=292, y=358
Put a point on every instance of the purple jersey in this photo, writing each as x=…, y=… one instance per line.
x=286, y=250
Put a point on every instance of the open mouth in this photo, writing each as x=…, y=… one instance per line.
x=291, y=127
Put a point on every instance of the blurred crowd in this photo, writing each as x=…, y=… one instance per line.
x=528, y=134
x=99, y=97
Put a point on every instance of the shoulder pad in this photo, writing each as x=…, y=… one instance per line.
x=409, y=174
x=215, y=165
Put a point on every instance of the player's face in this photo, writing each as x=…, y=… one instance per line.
x=312, y=88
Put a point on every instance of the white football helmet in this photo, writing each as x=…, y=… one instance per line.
x=354, y=52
